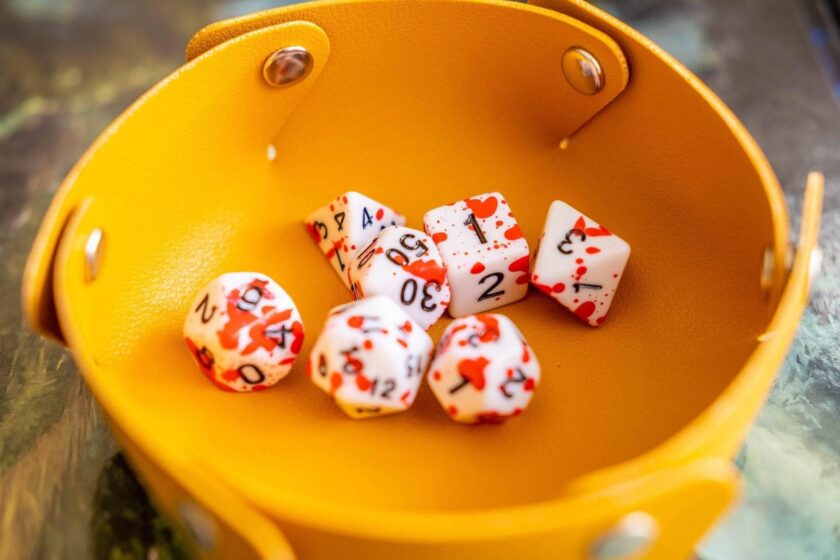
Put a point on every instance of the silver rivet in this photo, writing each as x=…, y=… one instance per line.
x=94, y=247
x=287, y=66
x=631, y=536
x=583, y=71
x=200, y=525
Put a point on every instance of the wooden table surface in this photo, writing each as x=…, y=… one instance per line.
x=68, y=68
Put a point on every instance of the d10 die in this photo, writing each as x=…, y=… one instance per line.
x=244, y=330
x=579, y=263
x=404, y=264
x=346, y=225
x=485, y=254
x=370, y=357
x=483, y=370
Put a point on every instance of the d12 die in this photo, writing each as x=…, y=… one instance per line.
x=370, y=357
x=485, y=254
x=346, y=225
x=404, y=264
x=579, y=263
x=244, y=331
x=483, y=370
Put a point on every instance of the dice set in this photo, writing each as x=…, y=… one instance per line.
x=245, y=332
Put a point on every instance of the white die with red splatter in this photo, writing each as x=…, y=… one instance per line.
x=483, y=370
x=404, y=264
x=579, y=263
x=370, y=357
x=485, y=254
x=244, y=331
x=348, y=224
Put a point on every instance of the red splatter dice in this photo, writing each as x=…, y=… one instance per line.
x=579, y=263
x=404, y=264
x=346, y=225
x=370, y=357
x=244, y=331
x=483, y=370
x=485, y=254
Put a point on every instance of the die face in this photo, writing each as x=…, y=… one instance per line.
x=370, y=357
x=403, y=264
x=244, y=331
x=579, y=263
x=484, y=252
x=346, y=225
x=483, y=370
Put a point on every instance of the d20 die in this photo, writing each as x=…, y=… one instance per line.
x=485, y=254
x=244, y=331
x=579, y=263
x=346, y=225
x=404, y=264
x=483, y=370
x=370, y=357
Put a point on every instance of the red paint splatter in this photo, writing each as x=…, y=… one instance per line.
x=491, y=327
x=344, y=199
x=230, y=375
x=258, y=330
x=579, y=261
x=439, y=237
x=493, y=417
x=380, y=213
x=526, y=356
x=499, y=223
x=452, y=410
x=402, y=343
x=521, y=265
x=407, y=326
x=585, y=309
x=529, y=384
x=593, y=250
x=473, y=371
x=513, y=233
x=600, y=320
x=406, y=398
x=356, y=322
x=427, y=270
x=287, y=361
x=362, y=382
x=368, y=344
x=555, y=289
x=313, y=232
x=237, y=318
x=482, y=209
x=335, y=381
x=477, y=268
x=259, y=387
x=436, y=376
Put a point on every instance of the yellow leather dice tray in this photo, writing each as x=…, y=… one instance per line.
x=416, y=103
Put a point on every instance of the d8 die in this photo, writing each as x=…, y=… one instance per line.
x=579, y=263
x=485, y=254
x=404, y=264
x=346, y=225
x=370, y=357
x=483, y=370
x=244, y=331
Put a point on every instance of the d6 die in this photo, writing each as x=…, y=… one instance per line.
x=579, y=263
x=483, y=370
x=404, y=264
x=370, y=357
x=485, y=254
x=244, y=331
x=346, y=225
